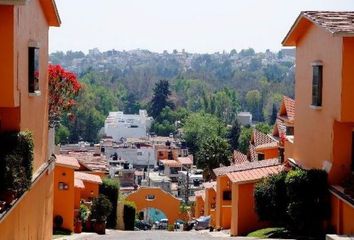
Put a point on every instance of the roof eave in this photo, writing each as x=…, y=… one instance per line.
x=292, y=36
x=51, y=12
x=67, y=165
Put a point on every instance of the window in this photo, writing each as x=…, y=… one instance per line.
x=260, y=156
x=289, y=131
x=33, y=69
x=150, y=197
x=174, y=170
x=317, y=69
x=226, y=195
x=139, y=153
x=63, y=186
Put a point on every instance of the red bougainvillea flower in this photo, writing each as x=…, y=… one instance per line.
x=63, y=88
x=282, y=139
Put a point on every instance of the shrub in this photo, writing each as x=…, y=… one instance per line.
x=129, y=215
x=84, y=212
x=309, y=202
x=298, y=200
x=271, y=199
x=16, y=154
x=110, y=188
x=101, y=208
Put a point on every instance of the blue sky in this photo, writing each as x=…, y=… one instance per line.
x=203, y=26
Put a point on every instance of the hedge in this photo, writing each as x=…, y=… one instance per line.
x=297, y=200
x=110, y=188
x=16, y=161
x=129, y=215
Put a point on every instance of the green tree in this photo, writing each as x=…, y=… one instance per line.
x=212, y=152
x=263, y=127
x=254, y=104
x=131, y=104
x=199, y=126
x=274, y=115
x=160, y=98
x=234, y=135
x=245, y=138
x=62, y=135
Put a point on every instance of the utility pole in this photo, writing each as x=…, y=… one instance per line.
x=148, y=169
x=186, y=200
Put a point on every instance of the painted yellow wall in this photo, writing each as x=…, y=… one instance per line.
x=210, y=200
x=342, y=216
x=64, y=199
x=163, y=201
x=223, y=208
x=90, y=191
x=347, y=114
x=314, y=128
x=244, y=218
x=199, y=207
x=32, y=217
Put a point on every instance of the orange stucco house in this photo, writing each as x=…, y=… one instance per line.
x=324, y=125
x=91, y=183
x=199, y=203
x=24, y=29
x=234, y=194
x=210, y=201
x=71, y=188
x=64, y=190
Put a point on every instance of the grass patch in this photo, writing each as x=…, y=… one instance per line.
x=270, y=233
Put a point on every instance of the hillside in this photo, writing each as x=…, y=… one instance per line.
x=124, y=80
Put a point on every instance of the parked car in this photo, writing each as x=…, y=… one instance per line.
x=202, y=223
x=163, y=223
x=189, y=226
x=142, y=225
x=178, y=224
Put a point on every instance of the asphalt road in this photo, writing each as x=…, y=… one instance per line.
x=153, y=235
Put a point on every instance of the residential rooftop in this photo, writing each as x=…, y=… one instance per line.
x=246, y=166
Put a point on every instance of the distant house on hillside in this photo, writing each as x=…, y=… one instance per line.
x=245, y=118
x=119, y=125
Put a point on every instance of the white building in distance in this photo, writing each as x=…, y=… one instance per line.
x=119, y=125
x=245, y=118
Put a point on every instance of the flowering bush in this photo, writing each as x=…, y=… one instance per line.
x=282, y=139
x=63, y=88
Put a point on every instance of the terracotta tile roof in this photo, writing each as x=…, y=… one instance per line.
x=87, y=177
x=252, y=154
x=66, y=161
x=279, y=128
x=78, y=183
x=334, y=22
x=171, y=163
x=239, y=157
x=267, y=146
x=259, y=138
x=254, y=174
x=246, y=166
x=337, y=23
x=185, y=160
x=209, y=185
x=290, y=108
x=91, y=161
